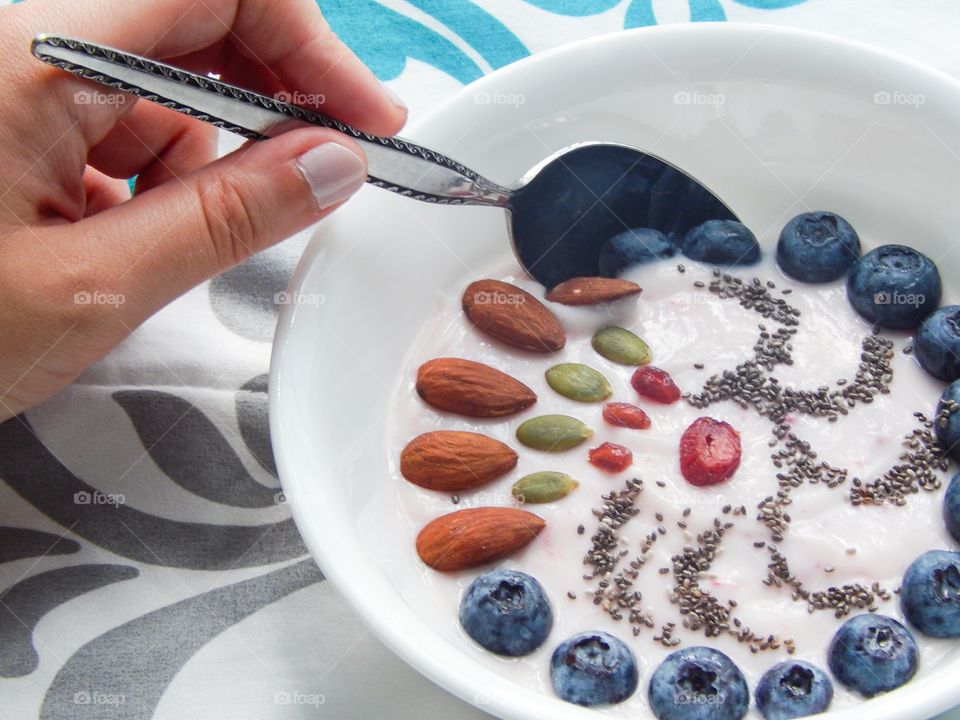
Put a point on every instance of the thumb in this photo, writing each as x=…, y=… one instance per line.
x=170, y=238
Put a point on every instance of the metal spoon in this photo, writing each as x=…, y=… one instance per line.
x=559, y=214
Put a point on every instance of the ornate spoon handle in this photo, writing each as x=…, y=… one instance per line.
x=395, y=164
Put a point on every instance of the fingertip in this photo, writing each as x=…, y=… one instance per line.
x=399, y=109
x=333, y=172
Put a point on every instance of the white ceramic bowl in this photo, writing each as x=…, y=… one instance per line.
x=776, y=121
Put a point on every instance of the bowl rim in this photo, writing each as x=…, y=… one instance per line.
x=387, y=628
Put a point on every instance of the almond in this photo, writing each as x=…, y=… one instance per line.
x=451, y=460
x=513, y=316
x=467, y=538
x=471, y=388
x=592, y=290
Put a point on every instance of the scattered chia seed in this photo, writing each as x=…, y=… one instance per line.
x=699, y=284
x=580, y=529
x=681, y=269
x=572, y=595
x=455, y=499
x=698, y=366
x=661, y=483
x=699, y=608
x=839, y=599
x=921, y=463
x=615, y=593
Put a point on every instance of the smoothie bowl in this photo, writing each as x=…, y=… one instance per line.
x=762, y=554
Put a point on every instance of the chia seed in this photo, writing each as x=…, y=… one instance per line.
x=699, y=608
x=919, y=467
x=615, y=593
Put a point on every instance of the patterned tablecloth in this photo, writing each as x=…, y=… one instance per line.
x=147, y=565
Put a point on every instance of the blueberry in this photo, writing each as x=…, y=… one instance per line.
x=698, y=683
x=793, y=689
x=930, y=593
x=951, y=507
x=722, y=242
x=948, y=436
x=633, y=247
x=872, y=654
x=817, y=247
x=894, y=286
x=937, y=344
x=593, y=668
x=507, y=612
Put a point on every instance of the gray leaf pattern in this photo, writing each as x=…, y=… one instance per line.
x=22, y=606
x=19, y=543
x=28, y=467
x=244, y=298
x=137, y=660
x=190, y=450
x=252, y=414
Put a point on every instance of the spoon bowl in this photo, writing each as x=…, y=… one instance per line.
x=570, y=204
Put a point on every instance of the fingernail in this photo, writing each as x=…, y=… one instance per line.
x=333, y=173
x=394, y=98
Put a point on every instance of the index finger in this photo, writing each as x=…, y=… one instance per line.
x=286, y=39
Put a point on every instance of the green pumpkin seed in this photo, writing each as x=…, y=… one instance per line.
x=543, y=487
x=553, y=432
x=578, y=382
x=619, y=345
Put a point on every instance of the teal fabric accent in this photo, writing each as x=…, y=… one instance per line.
x=384, y=39
x=707, y=11
x=769, y=4
x=574, y=7
x=487, y=35
x=640, y=14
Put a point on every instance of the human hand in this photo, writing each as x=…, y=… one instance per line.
x=81, y=263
